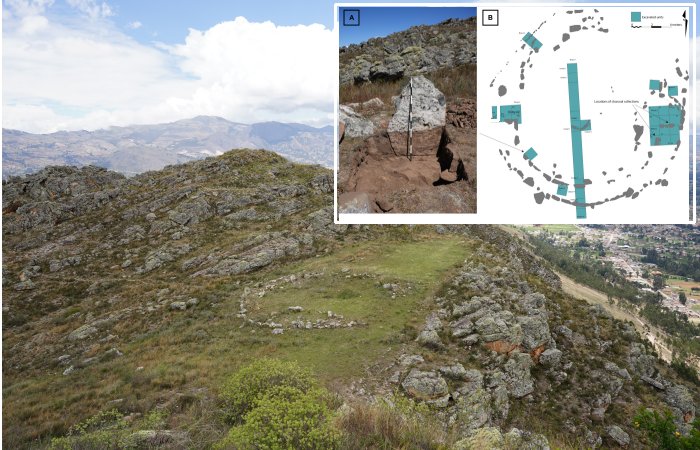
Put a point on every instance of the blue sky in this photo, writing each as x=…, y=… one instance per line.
x=378, y=21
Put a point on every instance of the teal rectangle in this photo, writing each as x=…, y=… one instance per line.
x=532, y=41
x=511, y=113
x=562, y=190
x=673, y=91
x=664, y=125
x=582, y=125
x=494, y=112
x=655, y=85
x=576, y=140
x=636, y=16
x=530, y=154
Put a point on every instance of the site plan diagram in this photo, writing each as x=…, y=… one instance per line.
x=585, y=113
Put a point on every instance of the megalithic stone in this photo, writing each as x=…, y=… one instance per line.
x=427, y=119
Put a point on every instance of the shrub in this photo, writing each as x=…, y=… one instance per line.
x=285, y=417
x=662, y=432
x=253, y=382
x=685, y=371
x=401, y=424
x=110, y=430
x=103, y=431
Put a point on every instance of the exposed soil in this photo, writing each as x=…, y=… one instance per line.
x=443, y=181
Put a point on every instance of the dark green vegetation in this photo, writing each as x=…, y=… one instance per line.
x=272, y=404
x=663, y=434
x=682, y=265
x=592, y=272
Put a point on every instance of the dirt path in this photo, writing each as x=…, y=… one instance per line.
x=654, y=335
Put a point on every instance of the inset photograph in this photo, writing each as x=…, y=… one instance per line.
x=407, y=110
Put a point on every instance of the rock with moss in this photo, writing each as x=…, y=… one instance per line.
x=518, y=377
x=425, y=385
x=472, y=411
x=618, y=435
x=483, y=438
x=525, y=440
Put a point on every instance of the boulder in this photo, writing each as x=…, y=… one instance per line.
x=178, y=306
x=355, y=125
x=518, y=378
x=410, y=360
x=473, y=410
x=524, y=440
x=681, y=401
x=535, y=331
x=82, y=332
x=468, y=307
x=499, y=327
x=462, y=327
x=592, y=439
x=427, y=119
x=424, y=385
x=430, y=338
x=641, y=363
x=392, y=68
x=355, y=203
x=191, y=212
x=454, y=372
x=472, y=379
x=491, y=438
x=550, y=358
x=618, y=435
x=483, y=438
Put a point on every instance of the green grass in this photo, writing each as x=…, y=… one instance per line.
x=555, y=228
x=199, y=348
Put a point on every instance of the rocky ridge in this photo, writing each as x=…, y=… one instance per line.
x=498, y=340
x=418, y=50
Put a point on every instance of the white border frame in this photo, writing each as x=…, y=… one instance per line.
x=473, y=218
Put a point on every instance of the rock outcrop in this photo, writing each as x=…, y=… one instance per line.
x=353, y=124
x=420, y=49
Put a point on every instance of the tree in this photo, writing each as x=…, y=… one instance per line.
x=658, y=282
x=682, y=298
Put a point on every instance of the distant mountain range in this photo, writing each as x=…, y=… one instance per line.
x=140, y=148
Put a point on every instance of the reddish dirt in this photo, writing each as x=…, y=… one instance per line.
x=501, y=346
x=436, y=180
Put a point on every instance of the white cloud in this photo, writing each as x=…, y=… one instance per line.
x=91, y=8
x=55, y=77
x=260, y=66
x=23, y=8
x=135, y=25
x=32, y=24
